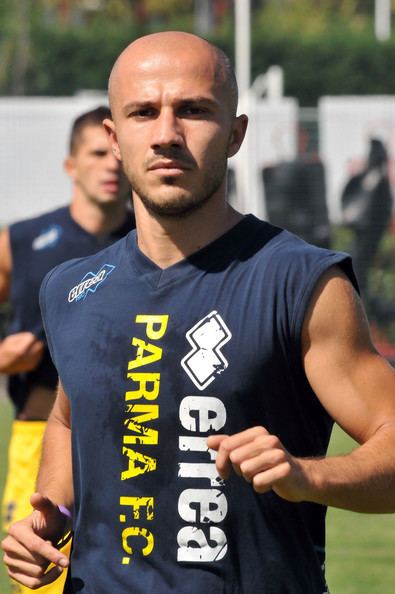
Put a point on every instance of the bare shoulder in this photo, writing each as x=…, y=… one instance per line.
x=336, y=313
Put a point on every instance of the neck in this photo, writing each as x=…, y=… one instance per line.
x=167, y=240
x=97, y=219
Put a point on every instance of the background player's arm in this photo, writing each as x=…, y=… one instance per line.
x=5, y=265
x=357, y=387
x=22, y=351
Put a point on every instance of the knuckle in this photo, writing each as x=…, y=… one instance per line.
x=272, y=441
x=286, y=468
x=233, y=457
x=259, y=485
x=246, y=471
x=224, y=447
x=258, y=431
x=11, y=530
x=279, y=457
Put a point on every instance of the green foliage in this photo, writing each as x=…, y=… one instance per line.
x=326, y=47
x=360, y=547
x=170, y=8
x=330, y=63
x=69, y=60
x=6, y=413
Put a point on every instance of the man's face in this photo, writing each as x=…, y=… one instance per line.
x=95, y=170
x=172, y=128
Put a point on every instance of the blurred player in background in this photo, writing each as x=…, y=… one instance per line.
x=97, y=216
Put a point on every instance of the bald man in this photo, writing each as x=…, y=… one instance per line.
x=202, y=361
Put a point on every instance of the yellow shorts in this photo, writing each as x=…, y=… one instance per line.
x=24, y=455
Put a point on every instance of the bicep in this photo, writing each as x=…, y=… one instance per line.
x=5, y=265
x=353, y=382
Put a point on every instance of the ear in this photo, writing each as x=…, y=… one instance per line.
x=109, y=127
x=69, y=166
x=239, y=130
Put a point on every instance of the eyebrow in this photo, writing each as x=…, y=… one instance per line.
x=198, y=99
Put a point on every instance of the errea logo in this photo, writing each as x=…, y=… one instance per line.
x=89, y=283
x=205, y=361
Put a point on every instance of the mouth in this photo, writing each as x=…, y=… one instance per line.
x=169, y=168
x=111, y=186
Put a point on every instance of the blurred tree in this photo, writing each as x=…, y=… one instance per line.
x=168, y=9
x=325, y=46
x=314, y=16
x=15, y=47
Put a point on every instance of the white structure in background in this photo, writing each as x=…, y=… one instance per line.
x=35, y=134
x=272, y=130
x=346, y=124
x=271, y=137
x=382, y=19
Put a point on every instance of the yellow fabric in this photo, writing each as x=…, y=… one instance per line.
x=24, y=455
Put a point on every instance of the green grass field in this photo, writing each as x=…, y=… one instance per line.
x=5, y=420
x=361, y=548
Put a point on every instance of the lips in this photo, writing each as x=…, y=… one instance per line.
x=168, y=166
x=111, y=186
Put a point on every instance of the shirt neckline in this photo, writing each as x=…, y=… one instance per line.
x=208, y=258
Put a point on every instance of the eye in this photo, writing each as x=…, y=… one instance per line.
x=142, y=113
x=194, y=110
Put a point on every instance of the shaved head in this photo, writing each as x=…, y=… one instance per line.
x=173, y=100
x=177, y=42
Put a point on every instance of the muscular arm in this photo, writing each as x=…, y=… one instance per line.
x=22, y=351
x=357, y=388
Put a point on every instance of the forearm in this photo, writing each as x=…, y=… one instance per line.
x=55, y=474
x=362, y=481
x=20, y=352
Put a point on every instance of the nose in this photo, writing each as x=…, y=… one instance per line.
x=167, y=131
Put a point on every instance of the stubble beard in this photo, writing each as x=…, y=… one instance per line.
x=182, y=203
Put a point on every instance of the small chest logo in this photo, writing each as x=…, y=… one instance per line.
x=205, y=361
x=48, y=238
x=89, y=283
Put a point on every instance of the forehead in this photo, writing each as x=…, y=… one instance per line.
x=168, y=74
x=92, y=136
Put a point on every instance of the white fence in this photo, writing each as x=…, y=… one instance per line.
x=35, y=132
x=34, y=143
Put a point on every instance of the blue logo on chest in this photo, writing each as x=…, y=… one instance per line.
x=89, y=283
x=47, y=238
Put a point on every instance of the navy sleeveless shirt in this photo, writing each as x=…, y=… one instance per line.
x=37, y=245
x=153, y=361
